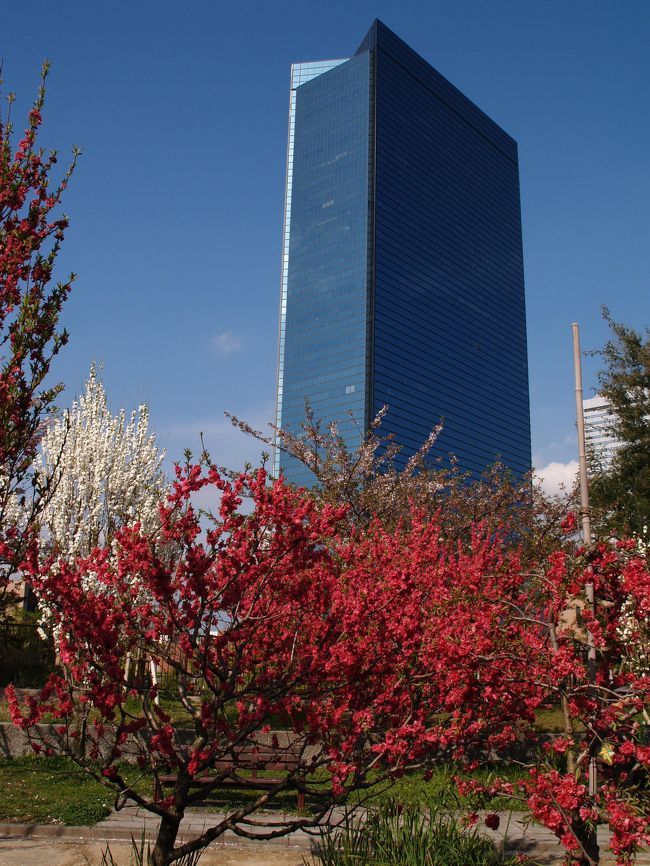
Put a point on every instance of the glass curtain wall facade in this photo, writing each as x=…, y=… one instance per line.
x=402, y=281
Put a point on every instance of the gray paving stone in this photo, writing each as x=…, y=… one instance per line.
x=515, y=833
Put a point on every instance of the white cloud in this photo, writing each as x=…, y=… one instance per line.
x=557, y=478
x=226, y=343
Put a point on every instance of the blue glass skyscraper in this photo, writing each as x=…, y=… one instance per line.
x=402, y=271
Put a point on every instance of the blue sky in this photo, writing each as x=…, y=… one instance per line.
x=176, y=207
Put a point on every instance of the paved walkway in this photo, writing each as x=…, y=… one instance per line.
x=131, y=821
x=514, y=833
x=40, y=852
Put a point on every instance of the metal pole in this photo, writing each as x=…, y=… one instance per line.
x=586, y=527
x=582, y=455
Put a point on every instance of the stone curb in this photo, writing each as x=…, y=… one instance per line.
x=548, y=851
x=124, y=834
x=298, y=841
x=55, y=831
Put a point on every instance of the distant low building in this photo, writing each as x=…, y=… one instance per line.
x=602, y=444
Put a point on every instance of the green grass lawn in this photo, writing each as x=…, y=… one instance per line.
x=53, y=791
x=174, y=708
x=440, y=790
x=548, y=720
x=39, y=790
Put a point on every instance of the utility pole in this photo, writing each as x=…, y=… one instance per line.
x=582, y=452
x=586, y=529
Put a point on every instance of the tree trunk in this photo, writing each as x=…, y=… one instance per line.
x=165, y=841
x=588, y=838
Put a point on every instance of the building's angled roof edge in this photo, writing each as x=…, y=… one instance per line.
x=380, y=36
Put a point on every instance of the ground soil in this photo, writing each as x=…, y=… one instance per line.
x=28, y=852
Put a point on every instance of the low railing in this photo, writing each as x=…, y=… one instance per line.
x=26, y=659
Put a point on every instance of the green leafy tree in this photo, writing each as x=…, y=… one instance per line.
x=622, y=490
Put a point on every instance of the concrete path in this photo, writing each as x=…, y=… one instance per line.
x=132, y=821
x=56, y=845
x=31, y=852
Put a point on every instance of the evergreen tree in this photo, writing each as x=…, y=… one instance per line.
x=622, y=490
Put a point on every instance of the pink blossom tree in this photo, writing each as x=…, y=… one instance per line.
x=30, y=239
x=376, y=653
x=605, y=701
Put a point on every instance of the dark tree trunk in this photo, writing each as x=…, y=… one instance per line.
x=588, y=838
x=165, y=840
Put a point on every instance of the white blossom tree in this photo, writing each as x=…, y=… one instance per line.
x=106, y=472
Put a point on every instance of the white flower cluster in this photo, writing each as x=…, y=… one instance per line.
x=633, y=631
x=106, y=473
x=11, y=511
x=642, y=542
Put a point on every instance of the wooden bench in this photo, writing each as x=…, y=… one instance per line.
x=252, y=759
